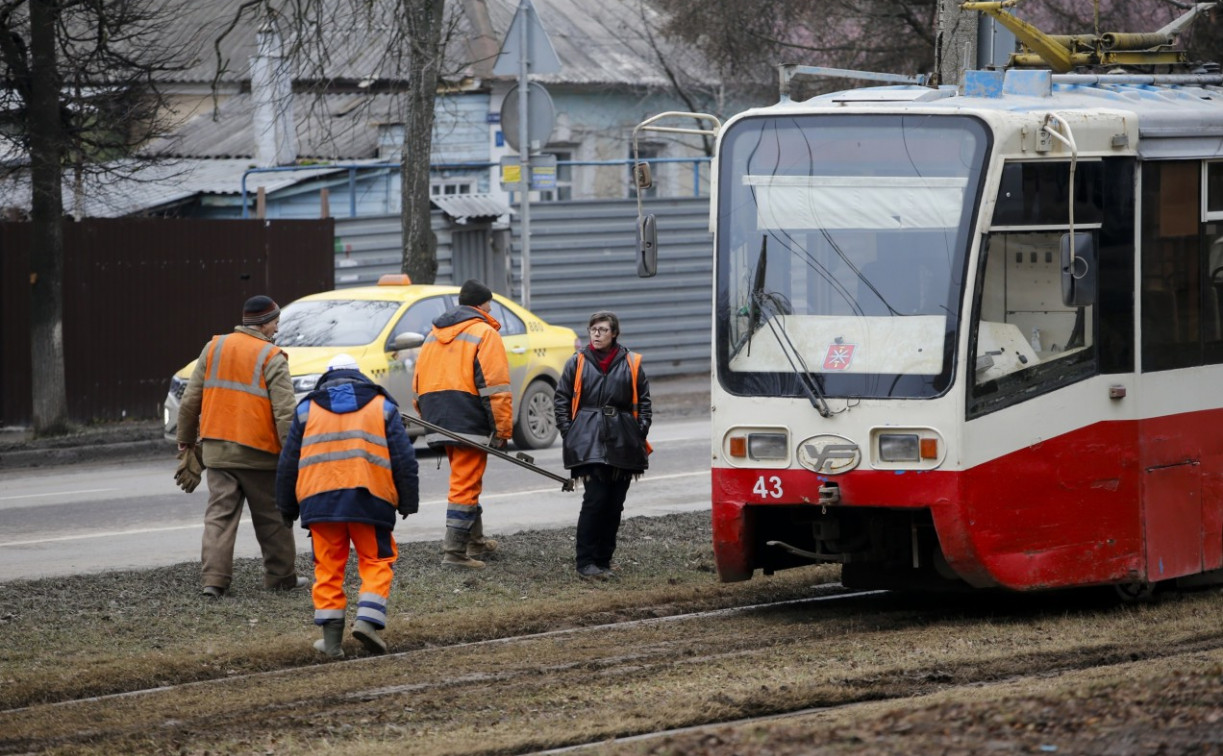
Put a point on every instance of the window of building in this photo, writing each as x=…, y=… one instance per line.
x=447, y=186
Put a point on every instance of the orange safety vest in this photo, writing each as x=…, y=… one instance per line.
x=346, y=450
x=445, y=378
x=634, y=364
x=235, y=405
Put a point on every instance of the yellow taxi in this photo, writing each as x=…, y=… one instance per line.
x=382, y=327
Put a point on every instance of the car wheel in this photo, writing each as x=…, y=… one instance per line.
x=536, y=426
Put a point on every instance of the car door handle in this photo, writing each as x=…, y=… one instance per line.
x=519, y=350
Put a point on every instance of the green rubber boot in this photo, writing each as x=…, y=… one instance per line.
x=454, y=550
x=477, y=545
x=333, y=637
x=369, y=637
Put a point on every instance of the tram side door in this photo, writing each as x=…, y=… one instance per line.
x=1170, y=470
x=1179, y=441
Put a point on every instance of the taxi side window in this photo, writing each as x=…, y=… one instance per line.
x=511, y=324
x=419, y=317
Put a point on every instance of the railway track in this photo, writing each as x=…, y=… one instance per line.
x=630, y=679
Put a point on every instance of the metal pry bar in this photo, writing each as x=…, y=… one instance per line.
x=522, y=460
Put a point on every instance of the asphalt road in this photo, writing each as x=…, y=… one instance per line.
x=128, y=513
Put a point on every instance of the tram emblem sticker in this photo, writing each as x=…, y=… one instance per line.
x=828, y=454
x=839, y=356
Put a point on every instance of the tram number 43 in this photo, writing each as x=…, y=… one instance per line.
x=768, y=488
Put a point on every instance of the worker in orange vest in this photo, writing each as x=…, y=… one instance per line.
x=603, y=412
x=347, y=467
x=238, y=404
x=462, y=383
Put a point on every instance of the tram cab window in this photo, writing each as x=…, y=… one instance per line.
x=1035, y=194
x=1026, y=339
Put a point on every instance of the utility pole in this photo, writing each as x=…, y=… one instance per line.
x=956, y=42
x=526, y=50
x=524, y=152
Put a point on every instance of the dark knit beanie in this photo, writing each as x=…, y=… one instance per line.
x=474, y=293
x=259, y=310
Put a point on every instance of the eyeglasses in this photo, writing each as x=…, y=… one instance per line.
x=599, y=330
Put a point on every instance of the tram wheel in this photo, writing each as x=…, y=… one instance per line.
x=1135, y=592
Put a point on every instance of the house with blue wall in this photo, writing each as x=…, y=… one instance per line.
x=332, y=146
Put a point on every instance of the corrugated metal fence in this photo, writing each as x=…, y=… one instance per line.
x=583, y=260
x=371, y=246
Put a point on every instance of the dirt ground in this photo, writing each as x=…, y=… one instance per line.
x=1142, y=710
x=524, y=658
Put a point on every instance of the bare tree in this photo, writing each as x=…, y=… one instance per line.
x=748, y=40
x=1202, y=40
x=79, y=92
x=394, y=49
x=424, y=22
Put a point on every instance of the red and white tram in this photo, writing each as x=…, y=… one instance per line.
x=917, y=374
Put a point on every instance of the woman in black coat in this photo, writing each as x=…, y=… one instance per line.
x=603, y=411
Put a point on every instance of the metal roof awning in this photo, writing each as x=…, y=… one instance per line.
x=464, y=208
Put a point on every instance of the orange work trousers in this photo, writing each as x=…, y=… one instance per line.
x=376, y=555
x=466, y=474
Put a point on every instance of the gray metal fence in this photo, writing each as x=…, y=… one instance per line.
x=371, y=246
x=583, y=260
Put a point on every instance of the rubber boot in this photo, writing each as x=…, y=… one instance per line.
x=454, y=550
x=368, y=635
x=477, y=545
x=333, y=636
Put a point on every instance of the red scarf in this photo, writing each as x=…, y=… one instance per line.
x=605, y=357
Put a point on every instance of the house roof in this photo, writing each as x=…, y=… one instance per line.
x=331, y=127
x=471, y=207
x=598, y=42
x=130, y=188
x=355, y=47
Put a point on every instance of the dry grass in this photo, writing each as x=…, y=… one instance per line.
x=118, y=631
x=962, y=675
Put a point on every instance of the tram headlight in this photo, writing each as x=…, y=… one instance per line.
x=907, y=448
x=760, y=446
x=768, y=446
x=899, y=447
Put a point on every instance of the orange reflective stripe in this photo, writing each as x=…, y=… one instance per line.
x=234, y=403
x=577, y=386
x=634, y=363
x=346, y=450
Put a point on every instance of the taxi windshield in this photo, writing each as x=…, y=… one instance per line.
x=334, y=322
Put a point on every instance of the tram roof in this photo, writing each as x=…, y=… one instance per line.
x=1177, y=115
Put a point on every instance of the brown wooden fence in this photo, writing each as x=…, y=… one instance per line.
x=141, y=296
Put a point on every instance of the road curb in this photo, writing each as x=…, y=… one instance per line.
x=71, y=455
x=678, y=398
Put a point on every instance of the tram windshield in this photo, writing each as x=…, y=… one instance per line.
x=841, y=252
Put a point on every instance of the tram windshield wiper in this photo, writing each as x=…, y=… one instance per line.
x=778, y=307
x=764, y=308
x=752, y=308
